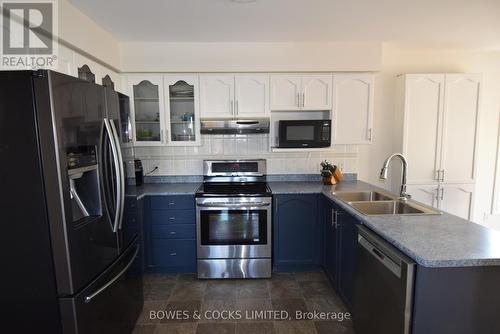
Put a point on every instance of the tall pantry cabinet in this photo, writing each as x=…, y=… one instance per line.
x=436, y=129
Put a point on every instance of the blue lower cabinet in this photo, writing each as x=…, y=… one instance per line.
x=331, y=241
x=174, y=231
x=348, y=241
x=297, y=232
x=183, y=202
x=170, y=255
x=170, y=225
x=162, y=217
x=340, y=244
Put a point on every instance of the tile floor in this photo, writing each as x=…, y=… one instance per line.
x=290, y=292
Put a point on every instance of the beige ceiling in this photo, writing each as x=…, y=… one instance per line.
x=436, y=23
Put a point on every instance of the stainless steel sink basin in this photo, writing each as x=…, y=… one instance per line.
x=361, y=196
x=392, y=208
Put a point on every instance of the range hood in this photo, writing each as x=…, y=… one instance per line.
x=234, y=126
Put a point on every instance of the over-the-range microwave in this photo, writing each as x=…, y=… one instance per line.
x=304, y=133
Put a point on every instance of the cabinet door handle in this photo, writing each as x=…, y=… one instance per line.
x=237, y=108
x=370, y=134
x=171, y=218
x=442, y=194
x=172, y=233
x=173, y=254
x=335, y=216
x=442, y=175
x=303, y=99
x=232, y=107
x=438, y=175
x=171, y=203
x=298, y=99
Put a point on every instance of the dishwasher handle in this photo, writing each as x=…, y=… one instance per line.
x=379, y=254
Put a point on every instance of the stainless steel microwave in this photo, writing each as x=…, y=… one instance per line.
x=304, y=133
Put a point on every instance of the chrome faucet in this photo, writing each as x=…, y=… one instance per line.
x=403, y=195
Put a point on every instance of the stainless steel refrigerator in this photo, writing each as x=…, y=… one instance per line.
x=71, y=260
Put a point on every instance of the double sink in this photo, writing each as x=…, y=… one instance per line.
x=373, y=203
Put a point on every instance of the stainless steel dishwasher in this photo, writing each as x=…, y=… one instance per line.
x=383, y=287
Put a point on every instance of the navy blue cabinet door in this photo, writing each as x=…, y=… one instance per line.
x=330, y=256
x=347, y=259
x=171, y=233
x=297, y=233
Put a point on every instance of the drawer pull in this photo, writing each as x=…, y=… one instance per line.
x=172, y=232
x=173, y=254
x=171, y=203
x=171, y=218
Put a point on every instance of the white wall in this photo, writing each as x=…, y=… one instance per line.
x=83, y=34
x=398, y=60
x=243, y=57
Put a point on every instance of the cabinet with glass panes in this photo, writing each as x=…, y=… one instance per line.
x=182, y=109
x=148, y=110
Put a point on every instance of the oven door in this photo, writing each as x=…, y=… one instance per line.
x=237, y=227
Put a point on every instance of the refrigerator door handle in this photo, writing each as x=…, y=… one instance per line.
x=89, y=298
x=121, y=193
x=116, y=162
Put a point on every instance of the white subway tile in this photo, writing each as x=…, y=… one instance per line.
x=217, y=146
x=351, y=149
x=229, y=146
x=351, y=165
x=241, y=146
x=164, y=167
x=339, y=148
x=179, y=167
x=194, y=167
x=167, y=151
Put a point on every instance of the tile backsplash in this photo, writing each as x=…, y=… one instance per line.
x=187, y=160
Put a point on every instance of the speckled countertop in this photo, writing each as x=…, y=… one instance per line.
x=151, y=189
x=431, y=240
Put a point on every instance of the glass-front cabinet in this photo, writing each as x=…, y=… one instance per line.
x=148, y=107
x=181, y=109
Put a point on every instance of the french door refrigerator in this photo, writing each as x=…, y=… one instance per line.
x=69, y=263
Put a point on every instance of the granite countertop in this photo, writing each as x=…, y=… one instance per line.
x=151, y=189
x=431, y=240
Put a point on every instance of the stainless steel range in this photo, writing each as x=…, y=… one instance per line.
x=233, y=220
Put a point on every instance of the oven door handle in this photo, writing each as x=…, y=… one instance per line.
x=232, y=205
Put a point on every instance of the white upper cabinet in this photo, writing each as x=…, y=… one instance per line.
x=217, y=96
x=436, y=128
x=147, y=107
x=301, y=92
x=181, y=109
x=285, y=91
x=353, y=108
x=439, y=116
x=316, y=92
x=421, y=122
x=461, y=108
x=234, y=96
x=251, y=95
